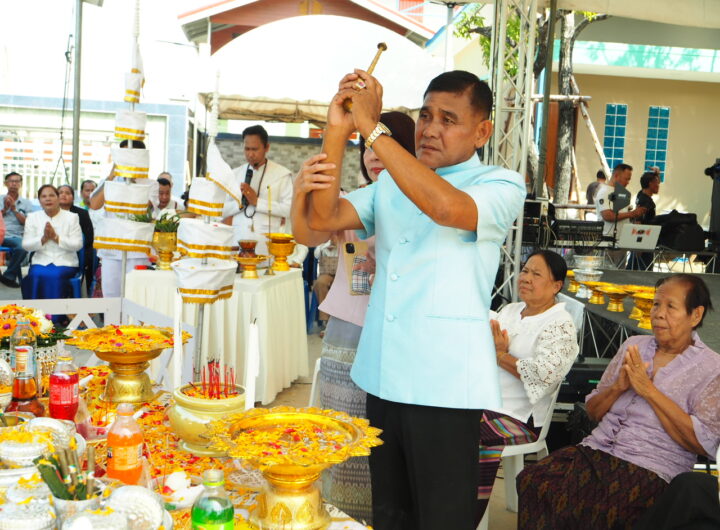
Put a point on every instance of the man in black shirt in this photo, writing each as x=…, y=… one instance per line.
x=593, y=187
x=650, y=184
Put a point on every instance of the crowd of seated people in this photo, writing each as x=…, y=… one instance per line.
x=47, y=236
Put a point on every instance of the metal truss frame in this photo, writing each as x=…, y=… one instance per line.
x=511, y=70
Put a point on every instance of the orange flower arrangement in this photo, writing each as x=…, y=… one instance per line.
x=10, y=315
x=124, y=338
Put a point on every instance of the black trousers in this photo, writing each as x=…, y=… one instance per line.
x=690, y=502
x=425, y=475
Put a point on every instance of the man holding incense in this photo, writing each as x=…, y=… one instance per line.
x=426, y=356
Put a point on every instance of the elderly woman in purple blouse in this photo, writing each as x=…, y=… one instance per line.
x=658, y=407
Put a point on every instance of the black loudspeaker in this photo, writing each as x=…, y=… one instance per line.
x=680, y=231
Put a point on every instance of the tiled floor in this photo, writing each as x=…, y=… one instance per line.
x=298, y=395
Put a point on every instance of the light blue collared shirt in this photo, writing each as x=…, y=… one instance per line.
x=426, y=338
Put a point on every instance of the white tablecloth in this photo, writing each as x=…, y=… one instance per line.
x=277, y=302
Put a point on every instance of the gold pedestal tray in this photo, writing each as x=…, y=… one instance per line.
x=616, y=295
x=574, y=285
x=597, y=297
x=644, y=302
x=128, y=350
x=292, y=447
x=249, y=265
x=280, y=246
x=165, y=243
x=632, y=290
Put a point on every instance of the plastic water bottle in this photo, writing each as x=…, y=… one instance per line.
x=64, y=390
x=213, y=510
x=23, y=361
x=125, y=444
x=22, y=349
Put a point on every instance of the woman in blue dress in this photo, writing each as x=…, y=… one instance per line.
x=54, y=237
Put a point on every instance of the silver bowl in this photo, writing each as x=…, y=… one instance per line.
x=586, y=275
x=588, y=263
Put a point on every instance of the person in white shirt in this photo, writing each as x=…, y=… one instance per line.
x=535, y=345
x=166, y=202
x=266, y=188
x=603, y=205
x=54, y=235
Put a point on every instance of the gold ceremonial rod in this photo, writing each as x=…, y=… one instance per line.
x=347, y=104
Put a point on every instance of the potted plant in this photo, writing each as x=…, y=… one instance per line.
x=165, y=239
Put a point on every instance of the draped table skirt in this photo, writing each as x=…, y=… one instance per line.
x=277, y=302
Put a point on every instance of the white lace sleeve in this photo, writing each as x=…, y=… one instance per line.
x=555, y=353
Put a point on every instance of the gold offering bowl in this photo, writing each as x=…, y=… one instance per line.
x=249, y=265
x=292, y=447
x=596, y=297
x=636, y=314
x=616, y=295
x=277, y=237
x=280, y=252
x=247, y=248
x=189, y=416
x=165, y=243
x=128, y=350
x=574, y=285
x=644, y=302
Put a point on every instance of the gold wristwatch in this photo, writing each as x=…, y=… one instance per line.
x=379, y=129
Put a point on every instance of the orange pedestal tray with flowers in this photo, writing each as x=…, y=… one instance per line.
x=292, y=447
x=127, y=349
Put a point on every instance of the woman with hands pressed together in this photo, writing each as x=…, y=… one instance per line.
x=657, y=408
x=535, y=345
x=54, y=235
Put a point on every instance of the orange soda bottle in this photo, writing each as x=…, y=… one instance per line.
x=125, y=447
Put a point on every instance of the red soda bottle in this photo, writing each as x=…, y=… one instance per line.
x=64, y=390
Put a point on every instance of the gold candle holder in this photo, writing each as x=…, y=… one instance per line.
x=165, y=243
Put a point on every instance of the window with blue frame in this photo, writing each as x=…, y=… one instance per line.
x=615, y=125
x=657, y=139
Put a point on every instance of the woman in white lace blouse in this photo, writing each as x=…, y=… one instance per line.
x=536, y=345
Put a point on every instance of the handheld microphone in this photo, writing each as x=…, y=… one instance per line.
x=248, y=179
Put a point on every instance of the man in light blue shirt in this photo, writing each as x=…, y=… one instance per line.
x=426, y=356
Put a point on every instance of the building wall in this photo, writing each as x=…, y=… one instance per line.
x=30, y=137
x=291, y=152
x=693, y=143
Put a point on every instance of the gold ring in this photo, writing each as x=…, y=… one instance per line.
x=359, y=85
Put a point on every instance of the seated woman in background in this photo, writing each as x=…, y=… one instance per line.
x=657, y=404
x=54, y=236
x=67, y=198
x=536, y=345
